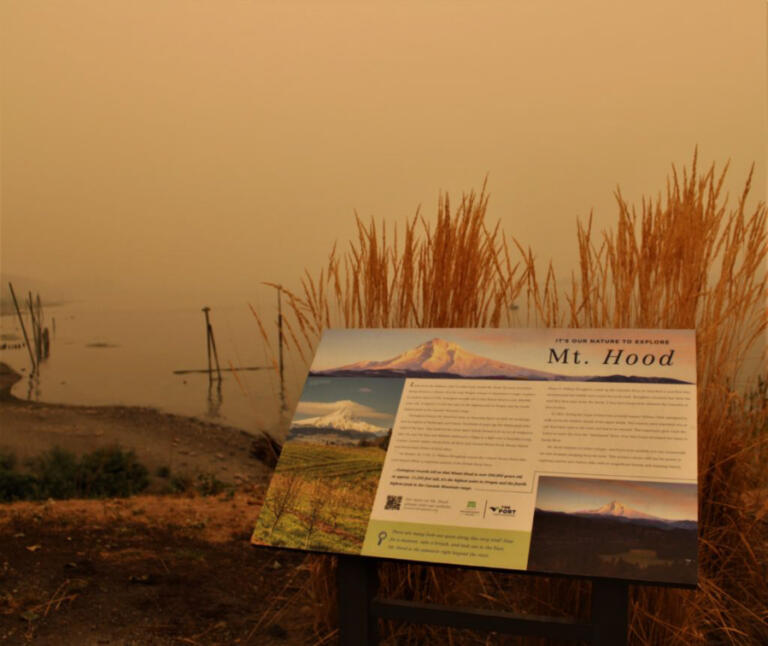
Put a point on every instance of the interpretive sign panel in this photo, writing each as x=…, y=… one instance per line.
x=549, y=450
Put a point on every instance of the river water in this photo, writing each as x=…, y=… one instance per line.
x=103, y=356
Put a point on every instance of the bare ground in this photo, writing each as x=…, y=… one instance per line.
x=155, y=570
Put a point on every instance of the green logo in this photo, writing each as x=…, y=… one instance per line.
x=471, y=504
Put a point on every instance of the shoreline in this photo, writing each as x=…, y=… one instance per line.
x=10, y=377
x=122, y=410
x=186, y=446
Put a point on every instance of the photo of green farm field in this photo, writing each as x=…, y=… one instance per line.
x=325, y=482
x=320, y=497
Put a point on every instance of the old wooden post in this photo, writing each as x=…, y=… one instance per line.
x=207, y=309
x=23, y=328
x=215, y=353
x=210, y=344
x=44, y=335
x=35, y=326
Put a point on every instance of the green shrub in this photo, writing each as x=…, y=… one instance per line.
x=55, y=472
x=209, y=485
x=180, y=483
x=14, y=485
x=7, y=460
x=111, y=472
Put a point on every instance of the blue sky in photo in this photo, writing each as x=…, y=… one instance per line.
x=381, y=395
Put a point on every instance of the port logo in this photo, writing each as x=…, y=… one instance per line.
x=502, y=510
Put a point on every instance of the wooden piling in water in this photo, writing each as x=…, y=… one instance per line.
x=210, y=344
x=23, y=327
x=215, y=354
x=35, y=326
x=43, y=334
x=207, y=309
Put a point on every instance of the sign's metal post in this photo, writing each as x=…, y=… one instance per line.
x=609, y=612
x=357, y=582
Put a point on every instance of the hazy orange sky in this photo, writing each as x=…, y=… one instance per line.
x=186, y=151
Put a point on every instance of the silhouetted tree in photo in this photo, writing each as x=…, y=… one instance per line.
x=318, y=499
x=334, y=504
x=282, y=498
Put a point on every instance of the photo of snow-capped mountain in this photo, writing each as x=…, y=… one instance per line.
x=616, y=509
x=436, y=358
x=346, y=411
x=610, y=535
x=439, y=358
x=342, y=418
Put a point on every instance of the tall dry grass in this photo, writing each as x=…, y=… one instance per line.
x=456, y=272
x=684, y=260
x=688, y=260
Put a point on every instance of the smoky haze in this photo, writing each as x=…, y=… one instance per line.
x=188, y=151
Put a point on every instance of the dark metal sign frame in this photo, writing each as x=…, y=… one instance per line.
x=360, y=608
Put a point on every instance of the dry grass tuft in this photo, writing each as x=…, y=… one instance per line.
x=455, y=273
x=681, y=261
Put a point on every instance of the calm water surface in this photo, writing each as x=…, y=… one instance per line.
x=104, y=356
x=109, y=356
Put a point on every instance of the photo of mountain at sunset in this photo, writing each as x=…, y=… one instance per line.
x=615, y=528
x=439, y=358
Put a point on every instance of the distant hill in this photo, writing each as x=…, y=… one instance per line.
x=611, y=545
x=334, y=436
x=618, y=511
x=615, y=508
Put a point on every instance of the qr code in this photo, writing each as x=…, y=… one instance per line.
x=393, y=502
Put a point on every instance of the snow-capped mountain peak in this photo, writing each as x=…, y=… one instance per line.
x=438, y=356
x=340, y=419
x=618, y=509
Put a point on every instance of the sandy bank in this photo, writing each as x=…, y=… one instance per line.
x=186, y=446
